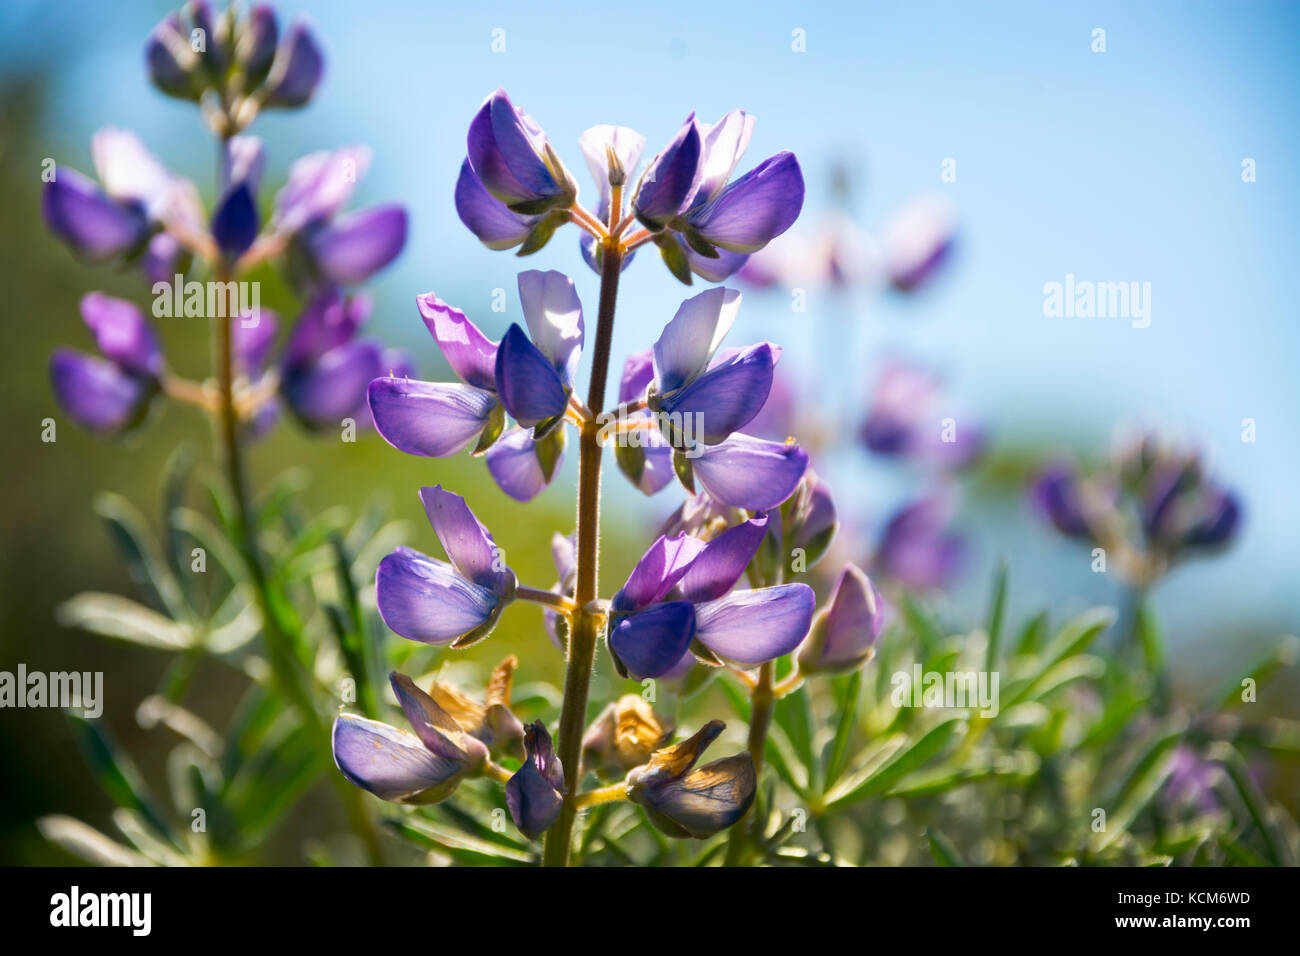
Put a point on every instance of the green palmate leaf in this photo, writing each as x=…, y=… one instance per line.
x=460, y=846
x=942, y=849
x=87, y=843
x=997, y=610
x=111, y=615
x=127, y=527
x=846, y=703
x=115, y=772
x=1139, y=786
x=906, y=755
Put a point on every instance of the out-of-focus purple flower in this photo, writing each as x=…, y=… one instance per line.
x=511, y=157
x=807, y=520
x=296, y=70
x=257, y=38
x=436, y=602
x=170, y=60
x=917, y=241
x=747, y=472
x=721, y=397
x=844, y=632
x=533, y=793
x=681, y=591
x=1058, y=496
x=917, y=549
x=324, y=246
x=624, y=735
x=835, y=252
x=682, y=802
x=393, y=764
x=906, y=420
x=112, y=394
x=534, y=377
x=138, y=196
x=235, y=220
x=1191, y=782
x=325, y=370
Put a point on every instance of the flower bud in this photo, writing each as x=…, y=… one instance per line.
x=844, y=632
x=682, y=802
x=533, y=793
x=624, y=735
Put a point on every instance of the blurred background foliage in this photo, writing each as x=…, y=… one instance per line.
x=56, y=547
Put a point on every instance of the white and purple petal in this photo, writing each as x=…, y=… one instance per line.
x=752, y=627
x=554, y=316
x=434, y=419
x=688, y=341
x=756, y=208
x=426, y=600
x=468, y=544
x=746, y=472
x=470, y=353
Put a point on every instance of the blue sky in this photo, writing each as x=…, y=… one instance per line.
x=1123, y=165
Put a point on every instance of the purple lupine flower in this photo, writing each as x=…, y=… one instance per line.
x=1181, y=508
x=906, y=420
x=1058, y=496
x=112, y=394
x=685, y=188
x=487, y=217
x=138, y=196
x=670, y=179
x=808, y=519
x=511, y=157
x=436, y=602
x=438, y=419
x=235, y=220
x=324, y=246
x=747, y=472
x=844, y=632
x=722, y=397
x=523, y=466
x=296, y=70
x=917, y=241
x=533, y=792
x=917, y=548
x=682, y=802
x=643, y=454
x=534, y=378
x=416, y=768
x=325, y=369
x=257, y=38
x=681, y=591
x=170, y=60
x=597, y=143
x=564, y=552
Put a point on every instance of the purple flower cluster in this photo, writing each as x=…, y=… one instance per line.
x=141, y=214
x=1152, y=503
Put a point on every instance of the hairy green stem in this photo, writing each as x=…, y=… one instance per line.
x=584, y=623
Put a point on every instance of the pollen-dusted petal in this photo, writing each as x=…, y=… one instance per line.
x=426, y=600
x=751, y=627
x=390, y=763
x=436, y=419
